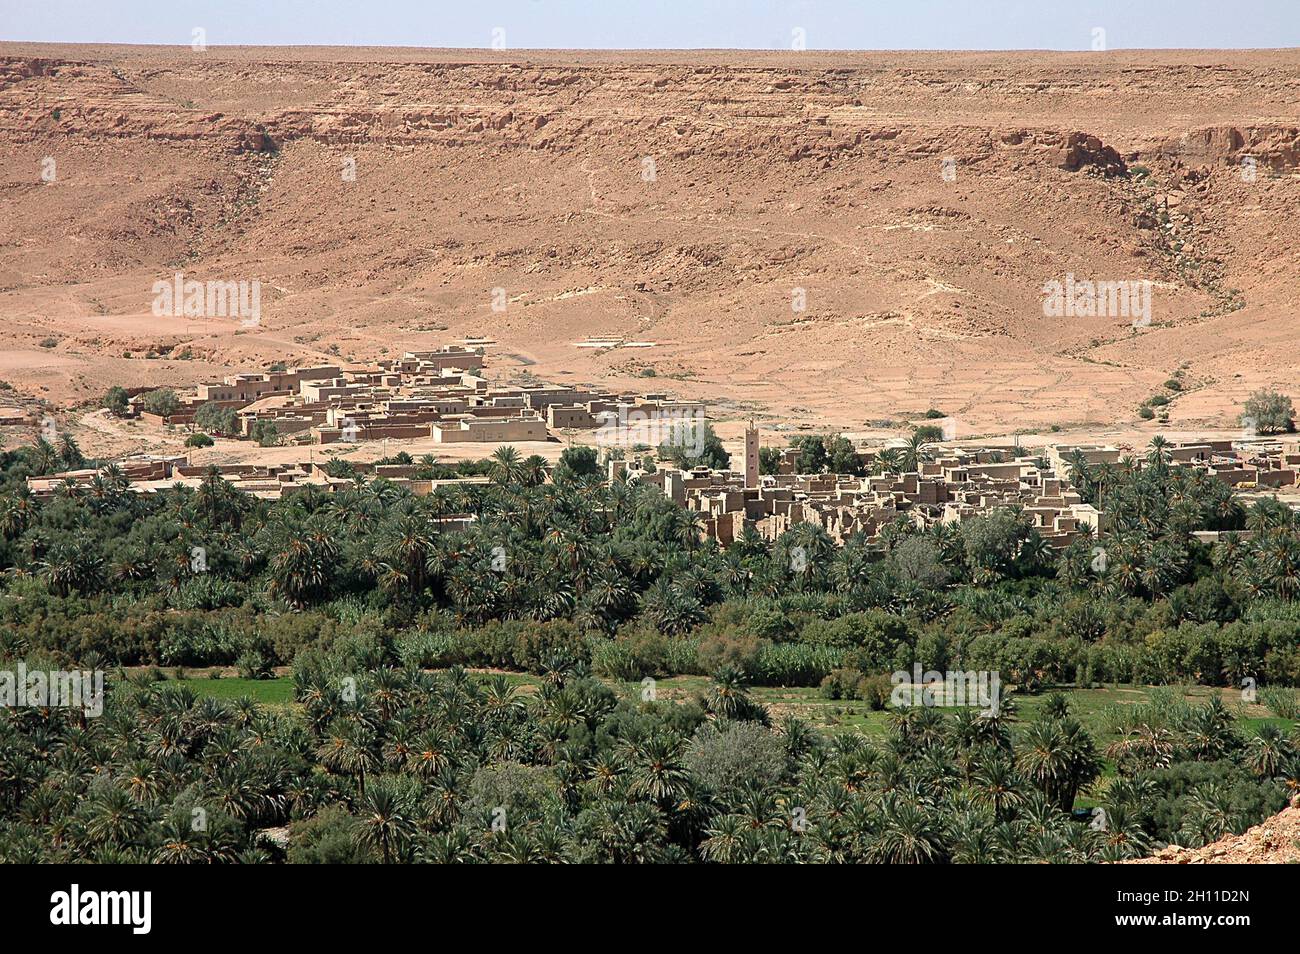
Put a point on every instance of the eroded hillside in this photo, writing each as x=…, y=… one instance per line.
x=916, y=202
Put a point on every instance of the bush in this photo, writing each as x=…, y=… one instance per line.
x=116, y=401
x=424, y=650
x=523, y=791
x=161, y=401
x=841, y=684
x=851, y=683
x=199, y=440
x=265, y=433
x=220, y=420
x=877, y=634
x=694, y=445
x=875, y=690
x=1268, y=412
x=577, y=462
x=1241, y=798
x=191, y=642
x=619, y=660
x=734, y=755
x=328, y=838
x=253, y=664
x=1282, y=702
x=729, y=648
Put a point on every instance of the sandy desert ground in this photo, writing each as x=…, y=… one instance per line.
x=686, y=200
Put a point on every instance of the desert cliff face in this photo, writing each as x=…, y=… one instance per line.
x=917, y=203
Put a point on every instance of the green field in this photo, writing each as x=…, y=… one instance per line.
x=1090, y=706
x=272, y=692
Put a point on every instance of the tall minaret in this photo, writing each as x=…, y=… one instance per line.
x=751, y=455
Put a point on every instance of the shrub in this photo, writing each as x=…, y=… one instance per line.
x=522, y=790
x=643, y=651
x=684, y=657
x=694, y=445
x=734, y=755
x=1269, y=412
x=265, y=433
x=877, y=634
x=841, y=684
x=535, y=643
x=160, y=401
x=254, y=664
x=425, y=650
x=578, y=462
x=851, y=683
x=328, y=838
x=213, y=417
x=1282, y=702
x=729, y=648
x=191, y=642
x=617, y=660
x=875, y=690
x=116, y=401
x=199, y=440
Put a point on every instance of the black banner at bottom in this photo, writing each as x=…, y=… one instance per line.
x=142, y=904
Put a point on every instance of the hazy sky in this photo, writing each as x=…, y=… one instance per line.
x=749, y=24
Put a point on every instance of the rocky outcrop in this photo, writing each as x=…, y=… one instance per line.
x=1273, y=842
x=1271, y=146
x=1081, y=150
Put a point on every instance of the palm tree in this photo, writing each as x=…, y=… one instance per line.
x=999, y=787
x=181, y=843
x=45, y=459
x=1159, y=455
x=724, y=840
x=16, y=512
x=915, y=450
x=387, y=824
x=972, y=835
x=727, y=697
x=406, y=546
x=655, y=769
x=1211, y=814
x=1144, y=746
x=347, y=751
x=672, y=610
x=507, y=466
x=889, y=461
x=304, y=559
x=1059, y=758
x=1269, y=752
x=114, y=817
x=1035, y=552
x=533, y=471
x=73, y=565
x=907, y=835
